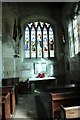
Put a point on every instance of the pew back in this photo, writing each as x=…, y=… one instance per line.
x=70, y=113
x=5, y=106
x=12, y=82
x=11, y=90
x=65, y=99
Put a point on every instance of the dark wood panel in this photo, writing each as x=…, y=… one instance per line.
x=5, y=106
x=11, y=90
x=70, y=113
x=12, y=82
x=65, y=99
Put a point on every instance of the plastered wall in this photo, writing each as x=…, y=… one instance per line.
x=18, y=66
x=72, y=65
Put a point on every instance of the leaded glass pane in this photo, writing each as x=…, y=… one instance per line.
x=75, y=30
x=30, y=24
x=41, y=23
x=79, y=28
x=35, y=23
x=33, y=44
x=45, y=43
x=27, y=47
x=47, y=24
x=39, y=42
x=51, y=42
x=71, y=44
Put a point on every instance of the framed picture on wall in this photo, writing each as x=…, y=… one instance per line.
x=40, y=67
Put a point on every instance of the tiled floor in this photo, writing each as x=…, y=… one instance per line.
x=33, y=106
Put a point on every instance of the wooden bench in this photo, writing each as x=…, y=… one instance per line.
x=65, y=99
x=5, y=100
x=12, y=82
x=70, y=113
x=16, y=92
x=65, y=88
x=11, y=90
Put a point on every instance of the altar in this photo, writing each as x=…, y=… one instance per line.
x=41, y=82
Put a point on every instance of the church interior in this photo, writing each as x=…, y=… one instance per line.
x=40, y=60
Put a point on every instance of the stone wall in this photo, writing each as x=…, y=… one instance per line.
x=72, y=65
x=20, y=67
x=0, y=42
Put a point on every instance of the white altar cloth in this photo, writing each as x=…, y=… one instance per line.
x=44, y=78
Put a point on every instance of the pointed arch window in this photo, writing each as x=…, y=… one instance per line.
x=33, y=42
x=39, y=40
x=74, y=32
x=51, y=42
x=45, y=42
x=71, y=41
x=27, y=43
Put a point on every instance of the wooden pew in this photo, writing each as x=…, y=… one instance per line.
x=11, y=90
x=70, y=113
x=12, y=82
x=65, y=99
x=65, y=88
x=16, y=92
x=5, y=106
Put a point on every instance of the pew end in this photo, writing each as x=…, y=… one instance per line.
x=5, y=106
x=66, y=99
x=70, y=113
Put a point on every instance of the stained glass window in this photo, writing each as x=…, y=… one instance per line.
x=33, y=43
x=75, y=30
x=27, y=47
x=45, y=42
x=79, y=25
x=74, y=33
x=51, y=42
x=71, y=43
x=39, y=40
